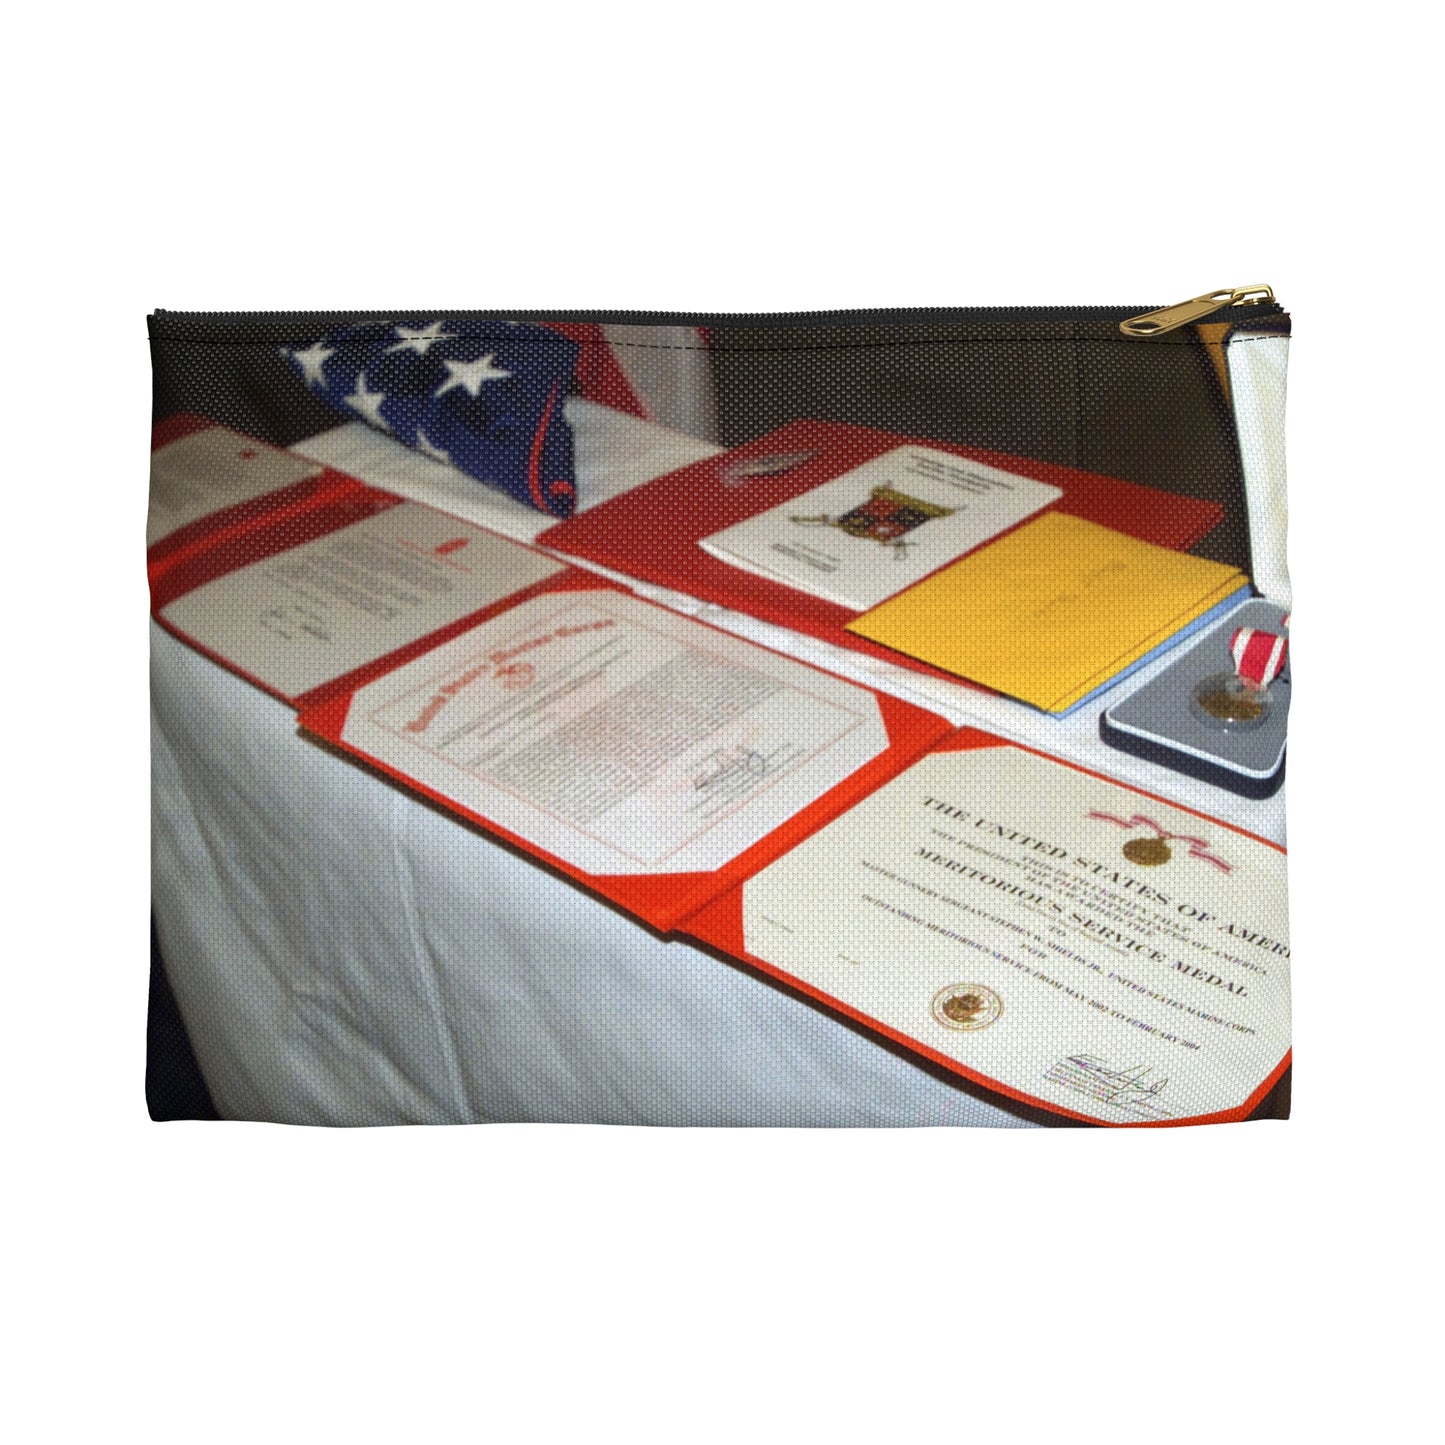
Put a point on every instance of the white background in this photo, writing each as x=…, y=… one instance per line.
x=217, y=1283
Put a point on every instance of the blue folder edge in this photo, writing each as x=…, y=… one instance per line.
x=1207, y=619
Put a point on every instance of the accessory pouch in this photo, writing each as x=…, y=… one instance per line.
x=857, y=718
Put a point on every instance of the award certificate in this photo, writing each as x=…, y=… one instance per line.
x=213, y=469
x=882, y=526
x=306, y=616
x=615, y=736
x=1068, y=941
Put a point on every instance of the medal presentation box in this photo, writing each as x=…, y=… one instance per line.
x=1193, y=718
x=1079, y=946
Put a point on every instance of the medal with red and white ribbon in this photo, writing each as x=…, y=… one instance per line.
x=1241, y=699
x=1258, y=656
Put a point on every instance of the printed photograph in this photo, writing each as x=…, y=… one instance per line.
x=833, y=720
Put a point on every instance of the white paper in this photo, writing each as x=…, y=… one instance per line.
x=614, y=452
x=617, y=736
x=1127, y=988
x=961, y=504
x=314, y=613
x=211, y=470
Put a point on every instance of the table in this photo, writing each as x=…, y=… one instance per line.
x=343, y=953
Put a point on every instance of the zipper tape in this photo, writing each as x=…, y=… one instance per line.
x=176, y=323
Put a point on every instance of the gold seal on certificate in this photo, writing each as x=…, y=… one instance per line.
x=966, y=1006
x=1147, y=852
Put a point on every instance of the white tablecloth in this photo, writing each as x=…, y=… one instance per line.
x=343, y=953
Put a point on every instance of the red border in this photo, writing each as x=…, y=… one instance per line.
x=289, y=504
x=570, y=580
x=285, y=524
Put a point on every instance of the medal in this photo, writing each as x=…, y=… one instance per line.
x=1231, y=702
x=1241, y=700
x=1258, y=656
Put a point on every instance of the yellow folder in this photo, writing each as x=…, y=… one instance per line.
x=1051, y=611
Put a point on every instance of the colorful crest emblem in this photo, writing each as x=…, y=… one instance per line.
x=885, y=517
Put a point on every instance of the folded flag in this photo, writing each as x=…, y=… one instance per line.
x=484, y=395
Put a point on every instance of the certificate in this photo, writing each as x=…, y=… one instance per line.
x=314, y=613
x=210, y=470
x=882, y=526
x=1070, y=942
x=616, y=737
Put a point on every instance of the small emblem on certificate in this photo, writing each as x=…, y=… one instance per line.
x=1147, y=852
x=1155, y=852
x=884, y=517
x=966, y=1006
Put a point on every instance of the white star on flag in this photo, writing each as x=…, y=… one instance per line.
x=436, y=400
x=419, y=338
x=368, y=403
x=470, y=375
x=310, y=362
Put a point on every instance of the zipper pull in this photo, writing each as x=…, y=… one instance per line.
x=1155, y=323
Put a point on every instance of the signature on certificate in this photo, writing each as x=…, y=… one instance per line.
x=733, y=766
x=1135, y=1087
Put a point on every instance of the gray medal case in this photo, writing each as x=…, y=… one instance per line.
x=1161, y=723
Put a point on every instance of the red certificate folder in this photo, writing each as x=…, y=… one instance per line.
x=1083, y=948
x=317, y=503
x=551, y=728
x=221, y=467
x=651, y=532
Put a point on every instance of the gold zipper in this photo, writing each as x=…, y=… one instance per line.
x=1155, y=323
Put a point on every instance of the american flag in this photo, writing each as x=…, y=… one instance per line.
x=484, y=395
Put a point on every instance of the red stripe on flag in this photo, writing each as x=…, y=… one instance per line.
x=600, y=377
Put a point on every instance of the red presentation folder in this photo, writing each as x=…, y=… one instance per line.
x=663, y=900
x=720, y=926
x=293, y=505
x=652, y=531
x=267, y=525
